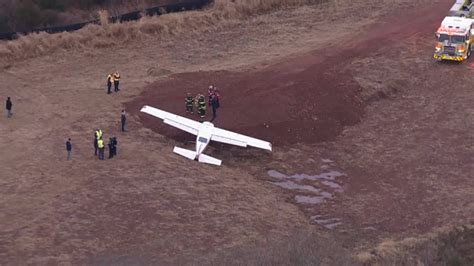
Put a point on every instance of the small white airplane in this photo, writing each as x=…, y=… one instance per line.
x=204, y=132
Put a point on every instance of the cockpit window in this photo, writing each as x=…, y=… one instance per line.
x=203, y=140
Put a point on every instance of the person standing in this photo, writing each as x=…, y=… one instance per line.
x=110, y=79
x=111, y=148
x=114, y=146
x=116, y=79
x=68, y=148
x=96, y=148
x=97, y=136
x=9, y=106
x=202, y=106
x=123, y=120
x=218, y=96
x=210, y=92
x=189, y=100
x=214, y=105
x=100, y=144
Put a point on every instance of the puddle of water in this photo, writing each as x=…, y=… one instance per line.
x=292, y=185
x=330, y=175
x=276, y=174
x=310, y=199
x=326, y=178
x=370, y=228
x=325, y=221
x=326, y=194
x=330, y=223
x=333, y=225
x=333, y=185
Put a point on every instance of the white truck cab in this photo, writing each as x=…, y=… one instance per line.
x=454, y=39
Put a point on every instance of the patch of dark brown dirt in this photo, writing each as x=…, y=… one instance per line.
x=309, y=98
x=280, y=106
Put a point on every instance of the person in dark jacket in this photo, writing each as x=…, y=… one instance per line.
x=9, y=106
x=68, y=148
x=210, y=93
x=123, y=120
x=96, y=148
x=214, y=105
x=217, y=94
x=110, y=80
x=114, y=146
x=116, y=78
x=111, y=148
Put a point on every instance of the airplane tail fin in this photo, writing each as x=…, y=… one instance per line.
x=208, y=159
x=191, y=155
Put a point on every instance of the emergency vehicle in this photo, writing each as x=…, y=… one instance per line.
x=454, y=39
x=462, y=8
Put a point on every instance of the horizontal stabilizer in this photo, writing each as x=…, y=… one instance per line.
x=208, y=159
x=191, y=155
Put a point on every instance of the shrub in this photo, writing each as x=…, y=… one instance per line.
x=27, y=15
x=51, y=4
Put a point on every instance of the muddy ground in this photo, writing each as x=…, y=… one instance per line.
x=373, y=140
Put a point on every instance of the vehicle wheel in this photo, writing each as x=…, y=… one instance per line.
x=469, y=51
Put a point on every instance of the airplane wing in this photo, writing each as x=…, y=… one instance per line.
x=229, y=137
x=177, y=121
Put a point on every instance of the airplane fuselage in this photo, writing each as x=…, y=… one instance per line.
x=204, y=132
x=203, y=138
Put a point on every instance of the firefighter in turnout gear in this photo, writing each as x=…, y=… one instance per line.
x=201, y=105
x=210, y=92
x=189, y=100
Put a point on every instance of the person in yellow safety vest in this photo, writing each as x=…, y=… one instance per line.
x=202, y=106
x=116, y=81
x=110, y=79
x=100, y=144
x=97, y=136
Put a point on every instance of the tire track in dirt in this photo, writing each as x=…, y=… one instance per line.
x=307, y=98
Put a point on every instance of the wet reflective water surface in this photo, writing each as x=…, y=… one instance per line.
x=309, y=199
x=330, y=175
x=293, y=185
x=313, y=189
x=329, y=223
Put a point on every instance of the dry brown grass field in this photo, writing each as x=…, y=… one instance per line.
x=373, y=155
